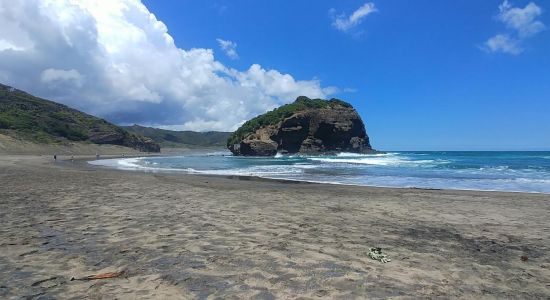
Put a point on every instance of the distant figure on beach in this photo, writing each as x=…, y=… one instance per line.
x=72, y=158
x=55, y=157
x=97, y=156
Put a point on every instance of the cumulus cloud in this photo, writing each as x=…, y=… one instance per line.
x=344, y=23
x=521, y=23
x=115, y=59
x=229, y=47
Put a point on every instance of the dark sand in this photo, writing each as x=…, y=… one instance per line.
x=198, y=237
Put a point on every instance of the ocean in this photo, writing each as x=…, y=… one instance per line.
x=463, y=170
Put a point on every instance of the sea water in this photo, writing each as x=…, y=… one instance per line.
x=471, y=170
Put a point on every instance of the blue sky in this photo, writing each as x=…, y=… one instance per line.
x=424, y=75
x=421, y=80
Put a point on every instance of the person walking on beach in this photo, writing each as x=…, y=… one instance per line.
x=55, y=157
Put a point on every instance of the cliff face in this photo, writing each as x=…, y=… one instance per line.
x=333, y=126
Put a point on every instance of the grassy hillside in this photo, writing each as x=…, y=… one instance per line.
x=169, y=138
x=275, y=116
x=31, y=118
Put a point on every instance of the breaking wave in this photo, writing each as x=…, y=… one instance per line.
x=495, y=171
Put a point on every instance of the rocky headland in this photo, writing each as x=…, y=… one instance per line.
x=307, y=126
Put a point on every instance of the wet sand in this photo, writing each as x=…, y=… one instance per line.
x=198, y=237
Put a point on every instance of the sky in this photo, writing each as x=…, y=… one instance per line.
x=423, y=75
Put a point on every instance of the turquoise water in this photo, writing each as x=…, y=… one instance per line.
x=494, y=171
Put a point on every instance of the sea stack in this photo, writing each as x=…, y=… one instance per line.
x=306, y=126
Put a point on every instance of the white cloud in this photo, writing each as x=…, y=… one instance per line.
x=503, y=43
x=521, y=23
x=50, y=75
x=523, y=20
x=345, y=23
x=5, y=45
x=275, y=83
x=229, y=47
x=116, y=60
x=53, y=76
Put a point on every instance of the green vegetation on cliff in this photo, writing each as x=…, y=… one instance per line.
x=31, y=118
x=170, y=138
x=275, y=116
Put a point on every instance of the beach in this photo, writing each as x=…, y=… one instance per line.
x=177, y=236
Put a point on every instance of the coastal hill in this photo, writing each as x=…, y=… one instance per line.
x=176, y=139
x=309, y=126
x=32, y=119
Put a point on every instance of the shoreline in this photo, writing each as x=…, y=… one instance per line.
x=201, y=236
x=256, y=177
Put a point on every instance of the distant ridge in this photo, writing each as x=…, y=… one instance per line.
x=26, y=117
x=170, y=138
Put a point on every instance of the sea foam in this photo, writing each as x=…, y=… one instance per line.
x=499, y=171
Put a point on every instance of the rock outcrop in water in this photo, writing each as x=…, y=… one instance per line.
x=309, y=126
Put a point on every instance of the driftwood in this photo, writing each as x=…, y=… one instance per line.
x=100, y=276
